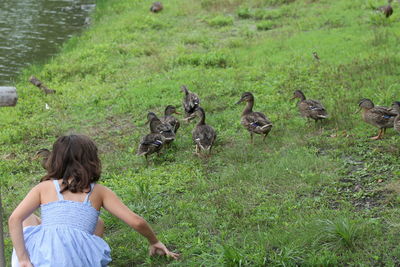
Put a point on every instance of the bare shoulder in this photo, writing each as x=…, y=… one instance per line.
x=44, y=186
x=102, y=190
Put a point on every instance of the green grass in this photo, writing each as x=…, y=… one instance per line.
x=320, y=195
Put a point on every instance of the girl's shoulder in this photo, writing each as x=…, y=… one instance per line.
x=45, y=185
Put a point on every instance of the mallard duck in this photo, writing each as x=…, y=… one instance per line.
x=386, y=10
x=396, y=124
x=43, y=153
x=311, y=109
x=190, y=102
x=254, y=122
x=156, y=7
x=157, y=126
x=150, y=144
x=203, y=135
x=171, y=120
x=381, y=117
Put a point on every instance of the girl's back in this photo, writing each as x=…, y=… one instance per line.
x=65, y=236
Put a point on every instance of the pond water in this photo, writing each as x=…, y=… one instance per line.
x=31, y=31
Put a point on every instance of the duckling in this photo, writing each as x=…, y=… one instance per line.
x=381, y=117
x=150, y=144
x=171, y=120
x=190, y=102
x=203, y=135
x=396, y=124
x=386, y=10
x=311, y=109
x=254, y=122
x=43, y=153
x=156, y=126
x=156, y=7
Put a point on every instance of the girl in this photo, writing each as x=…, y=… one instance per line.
x=70, y=202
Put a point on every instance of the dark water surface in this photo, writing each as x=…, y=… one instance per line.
x=31, y=31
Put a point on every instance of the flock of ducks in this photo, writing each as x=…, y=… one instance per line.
x=163, y=130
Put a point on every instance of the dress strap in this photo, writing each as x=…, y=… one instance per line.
x=59, y=195
x=88, y=195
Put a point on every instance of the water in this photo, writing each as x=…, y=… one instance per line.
x=31, y=31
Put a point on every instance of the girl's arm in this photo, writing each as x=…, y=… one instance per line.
x=27, y=206
x=115, y=206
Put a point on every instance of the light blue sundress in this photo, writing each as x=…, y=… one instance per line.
x=65, y=238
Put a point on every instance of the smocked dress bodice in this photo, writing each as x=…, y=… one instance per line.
x=73, y=214
x=65, y=237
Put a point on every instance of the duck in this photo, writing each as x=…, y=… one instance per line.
x=396, y=123
x=315, y=55
x=386, y=10
x=311, y=109
x=171, y=120
x=150, y=144
x=191, y=102
x=254, y=122
x=43, y=153
x=156, y=7
x=157, y=126
x=381, y=117
x=203, y=134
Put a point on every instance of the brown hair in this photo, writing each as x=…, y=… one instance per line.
x=74, y=159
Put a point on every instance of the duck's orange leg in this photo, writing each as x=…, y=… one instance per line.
x=379, y=136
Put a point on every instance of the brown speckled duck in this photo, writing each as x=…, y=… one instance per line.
x=396, y=124
x=150, y=144
x=171, y=120
x=381, y=117
x=158, y=127
x=43, y=153
x=254, y=122
x=190, y=102
x=203, y=135
x=310, y=109
x=156, y=7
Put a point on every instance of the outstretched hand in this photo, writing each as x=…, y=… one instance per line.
x=160, y=249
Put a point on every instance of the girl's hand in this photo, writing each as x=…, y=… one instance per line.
x=160, y=249
x=25, y=264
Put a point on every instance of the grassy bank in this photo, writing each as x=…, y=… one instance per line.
x=311, y=196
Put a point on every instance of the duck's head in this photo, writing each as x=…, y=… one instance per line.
x=151, y=116
x=246, y=97
x=169, y=110
x=396, y=106
x=366, y=103
x=298, y=94
x=184, y=89
x=41, y=153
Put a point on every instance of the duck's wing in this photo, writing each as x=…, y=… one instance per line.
x=150, y=143
x=314, y=109
x=174, y=122
x=257, y=119
x=382, y=116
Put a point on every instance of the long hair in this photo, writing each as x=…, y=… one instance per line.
x=74, y=159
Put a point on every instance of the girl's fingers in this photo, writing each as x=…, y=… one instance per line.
x=173, y=255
